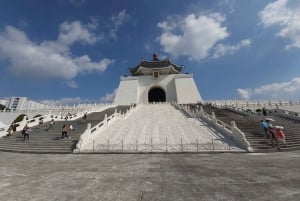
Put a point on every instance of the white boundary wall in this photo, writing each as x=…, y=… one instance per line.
x=259, y=104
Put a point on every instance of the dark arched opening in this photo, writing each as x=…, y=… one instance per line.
x=156, y=94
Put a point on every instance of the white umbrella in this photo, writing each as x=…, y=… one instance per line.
x=279, y=127
x=269, y=119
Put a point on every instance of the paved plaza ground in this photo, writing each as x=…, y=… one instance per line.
x=160, y=177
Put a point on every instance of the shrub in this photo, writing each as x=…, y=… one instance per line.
x=249, y=111
x=38, y=115
x=20, y=118
x=2, y=107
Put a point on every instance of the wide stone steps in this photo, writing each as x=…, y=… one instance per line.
x=250, y=125
x=43, y=141
x=39, y=151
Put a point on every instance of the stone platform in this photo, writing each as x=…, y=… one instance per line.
x=165, y=177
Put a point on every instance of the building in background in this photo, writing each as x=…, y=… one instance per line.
x=16, y=103
x=157, y=81
x=23, y=103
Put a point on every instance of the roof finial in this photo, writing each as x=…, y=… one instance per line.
x=155, y=57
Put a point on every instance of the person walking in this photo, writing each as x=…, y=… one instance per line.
x=41, y=121
x=273, y=137
x=51, y=124
x=26, y=130
x=280, y=136
x=265, y=126
x=269, y=122
x=14, y=129
x=64, y=133
x=10, y=130
x=71, y=128
x=84, y=117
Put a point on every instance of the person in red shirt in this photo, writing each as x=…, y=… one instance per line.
x=280, y=135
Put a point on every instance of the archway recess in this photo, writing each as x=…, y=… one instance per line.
x=156, y=94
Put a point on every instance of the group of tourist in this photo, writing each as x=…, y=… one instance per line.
x=12, y=129
x=26, y=130
x=275, y=133
x=66, y=127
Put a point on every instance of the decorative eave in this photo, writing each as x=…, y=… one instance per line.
x=164, y=66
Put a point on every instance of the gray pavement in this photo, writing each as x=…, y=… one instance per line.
x=160, y=177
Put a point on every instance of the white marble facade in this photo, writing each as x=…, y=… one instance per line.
x=180, y=88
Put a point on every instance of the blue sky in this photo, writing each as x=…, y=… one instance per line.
x=70, y=51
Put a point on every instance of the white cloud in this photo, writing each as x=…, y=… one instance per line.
x=244, y=93
x=72, y=84
x=118, y=20
x=195, y=36
x=23, y=23
x=48, y=59
x=109, y=97
x=286, y=14
x=71, y=32
x=221, y=50
x=284, y=90
x=86, y=65
x=93, y=24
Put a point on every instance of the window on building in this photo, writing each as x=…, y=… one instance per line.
x=155, y=74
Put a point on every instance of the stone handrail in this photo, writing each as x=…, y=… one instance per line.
x=232, y=131
x=253, y=103
x=8, y=116
x=90, y=132
x=48, y=117
x=295, y=116
x=238, y=110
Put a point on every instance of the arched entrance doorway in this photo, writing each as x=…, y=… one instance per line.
x=156, y=94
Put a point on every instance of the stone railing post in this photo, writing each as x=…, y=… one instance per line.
x=240, y=137
x=214, y=119
x=233, y=124
x=105, y=120
x=89, y=126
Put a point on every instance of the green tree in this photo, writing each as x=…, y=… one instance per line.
x=2, y=107
x=19, y=118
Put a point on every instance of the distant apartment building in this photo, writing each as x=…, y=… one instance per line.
x=23, y=103
x=16, y=103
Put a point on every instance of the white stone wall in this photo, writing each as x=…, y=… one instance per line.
x=128, y=91
x=187, y=91
x=180, y=88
